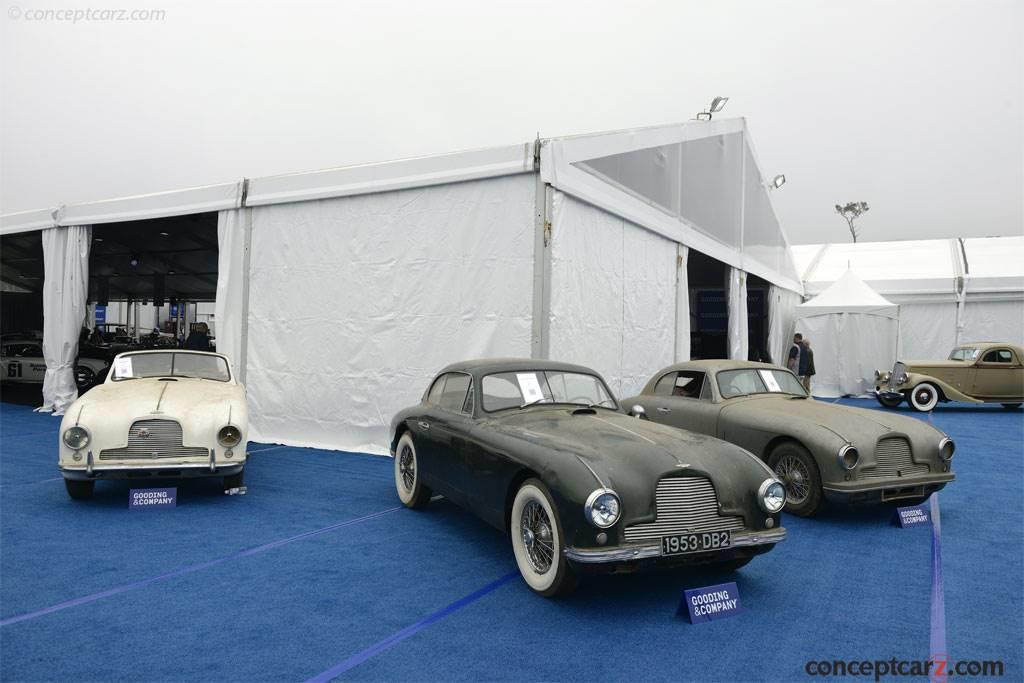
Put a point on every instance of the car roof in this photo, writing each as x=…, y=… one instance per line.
x=486, y=366
x=717, y=365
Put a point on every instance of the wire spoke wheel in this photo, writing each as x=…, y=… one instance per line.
x=795, y=477
x=407, y=467
x=535, y=526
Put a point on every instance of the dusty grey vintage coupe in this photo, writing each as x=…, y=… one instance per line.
x=542, y=450
x=819, y=450
x=979, y=372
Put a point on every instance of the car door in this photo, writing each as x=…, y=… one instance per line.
x=684, y=399
x=450, y=433
x=999, y=374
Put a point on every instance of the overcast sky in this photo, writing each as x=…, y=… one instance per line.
x=915, y=107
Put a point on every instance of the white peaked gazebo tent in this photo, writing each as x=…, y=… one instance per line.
x=341, y=292
x=853, y=331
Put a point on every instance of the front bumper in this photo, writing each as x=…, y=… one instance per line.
x=745, y=542
x=176, y=470
x=889, y=394
x=888, y=489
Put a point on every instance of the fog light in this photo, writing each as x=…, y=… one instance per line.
x=769, y=523
x=77, y=456
x=602, y=538
x=229, y=453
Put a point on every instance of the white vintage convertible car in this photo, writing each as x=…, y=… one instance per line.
x=159, y=414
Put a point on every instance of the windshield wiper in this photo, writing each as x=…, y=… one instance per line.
x=532, y=403
x=796, y=396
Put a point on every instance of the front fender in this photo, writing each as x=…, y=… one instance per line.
x=949, y=392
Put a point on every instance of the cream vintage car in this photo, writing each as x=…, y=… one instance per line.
x=977, y=372
x=158, y=415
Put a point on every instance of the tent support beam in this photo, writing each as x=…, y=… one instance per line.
x=540, y=346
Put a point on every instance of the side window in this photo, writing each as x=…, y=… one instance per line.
x=435, y=391
x=998, y=356
x=467, y=405
x=688, y=384
x=665, y=385
x=453, y=397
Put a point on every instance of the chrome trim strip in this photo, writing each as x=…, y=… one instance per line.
x=644, y=552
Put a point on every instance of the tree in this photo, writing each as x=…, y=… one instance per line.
x=850, y=212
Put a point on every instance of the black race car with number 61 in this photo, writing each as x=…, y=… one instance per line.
x=542, y=450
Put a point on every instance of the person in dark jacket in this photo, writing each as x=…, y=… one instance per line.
x=199, y=338
x=808, y=370
x=795, y=361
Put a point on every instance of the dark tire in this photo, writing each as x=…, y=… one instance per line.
x=79, y=490
x=538, y=542
x=798, y=472
x=889, y=402
x=732, y=565
x=924, y=397
x=1011, y=406
x=411, y=491
x=234, y=481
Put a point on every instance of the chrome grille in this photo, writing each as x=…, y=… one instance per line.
x=163, y=440
x=683, y=504
x=894, y=460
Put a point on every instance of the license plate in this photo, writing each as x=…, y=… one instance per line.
x=680, y=544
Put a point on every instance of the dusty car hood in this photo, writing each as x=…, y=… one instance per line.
x=852, y=424
x=630, y=455
x=919, y=365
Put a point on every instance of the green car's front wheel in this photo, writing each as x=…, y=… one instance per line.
x=799, y=473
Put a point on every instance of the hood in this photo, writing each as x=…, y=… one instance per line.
x=201, y=406
x=850, y=424
x=918, y=365
x=629, y=455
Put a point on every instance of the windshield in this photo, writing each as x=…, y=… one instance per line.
x=964, y=353
x=505, y=390
x=732, y=383
x=171, y=364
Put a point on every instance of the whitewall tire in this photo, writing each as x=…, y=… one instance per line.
x=411, y=490
x=924, y=397
x=537, y=541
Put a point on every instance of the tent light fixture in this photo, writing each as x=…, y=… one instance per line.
x=134, y=260
x=717, y=105
x=164, y=234
x=778, y=181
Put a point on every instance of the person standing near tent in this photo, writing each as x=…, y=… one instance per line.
x=796, y=354
x=808, y=369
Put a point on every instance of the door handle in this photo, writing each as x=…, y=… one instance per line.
x=664, y=410
x=424, y=425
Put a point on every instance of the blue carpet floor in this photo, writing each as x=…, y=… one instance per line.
x=318, y=572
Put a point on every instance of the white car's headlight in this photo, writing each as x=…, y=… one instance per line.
x=946, y=449
x=771, y=496
x=229, y=436
x=76, y=437
x=603, y=508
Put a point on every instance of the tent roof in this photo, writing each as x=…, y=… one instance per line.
x=848, y=294
x=911, y=269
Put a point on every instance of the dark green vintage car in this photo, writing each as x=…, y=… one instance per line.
x=818, y=449
x=542, y=450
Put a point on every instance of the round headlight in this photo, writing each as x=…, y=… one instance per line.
x=848, y=457
x=603, y=508
x=771, y=496
x=902, y=379
x=946, y=449
x=229, y=436
x=76, y=437
x=878, y=375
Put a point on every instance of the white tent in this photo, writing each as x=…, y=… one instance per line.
x=948, y=291
x=340, y=292
x=853, y=331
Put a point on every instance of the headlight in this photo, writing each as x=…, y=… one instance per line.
x=878, y=375
x=848, y=457
x=603, y=508
x=902, y=379
x=229, y=436
x=76, y=437
x=771, y=496
x=946, y=449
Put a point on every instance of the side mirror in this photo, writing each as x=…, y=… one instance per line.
x=638, y=411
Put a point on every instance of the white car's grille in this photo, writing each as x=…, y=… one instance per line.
x=894, y=460
x=683, y=504
x=154, y=440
